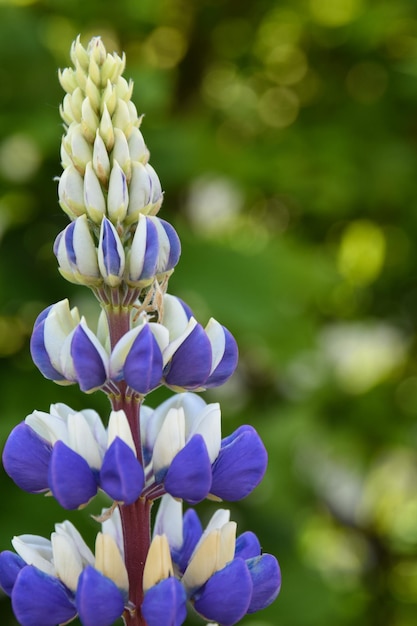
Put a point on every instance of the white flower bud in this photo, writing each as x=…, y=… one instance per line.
x=106, y=129
x=109, y=98
x=121, y=117
x=101, y=161
x=94, y=71
x=108, y=69
x=97, y=51
x=71, y=192
x=118, y=197
x=67, y=79
x=124, y=89
x=93, y=93
x=65, y=157
x=158, y=565
x=79, y=54
x=139, y=191
x=137, y=148
x=65, y=110
x=80, y=148
x=121, y=152
x=81, y=76
x=93, y=195
x=89, y=120
x=109, y=561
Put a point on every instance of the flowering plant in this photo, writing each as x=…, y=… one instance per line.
x=117, y=246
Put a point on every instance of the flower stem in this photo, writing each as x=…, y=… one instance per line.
x=135, y=517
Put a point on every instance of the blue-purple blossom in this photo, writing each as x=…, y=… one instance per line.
x=185, y=455
x=224, y=578
x=178, y=352
x=51, y=580
x=72, y=455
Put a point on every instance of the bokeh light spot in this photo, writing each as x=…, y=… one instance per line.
x=20, y=158
x=361, y=252
x=278, y=107
x=165, y=47
x=286, y=64
x=367, y=81
x=333, y=13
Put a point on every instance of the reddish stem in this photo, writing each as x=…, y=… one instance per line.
x=136, y=516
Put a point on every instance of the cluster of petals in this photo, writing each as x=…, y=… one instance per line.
x=223, y=577
x=150, y=253
x=185, y=455
x=71, y=455
x=51, y=581
x=179, y=352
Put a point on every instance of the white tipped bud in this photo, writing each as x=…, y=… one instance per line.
x=106, y=129
x=81, y=76
x=158, y=565
x=118, y=197
x=156, y=189
x=93, y=195
x=121, y=152
x=101, y=161
x=109, y=561
x=124, y=89
x=111, y=255
x=137, y=148
x=94, y=72
x=66, y=110
x=89, y=120
x=121, y=117
x=65, y=157
x=109, y=98
x=79, y=148
x=67, y=79
x=76, y=253
x=79, y=54
x=93, y=94
x=133, y=114
x=71, y=192
x=139, y=191
x=108, y=69
x=97, y=51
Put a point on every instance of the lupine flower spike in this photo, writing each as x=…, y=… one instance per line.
x=117, y=246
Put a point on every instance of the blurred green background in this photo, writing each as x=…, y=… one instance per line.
x=285, y=137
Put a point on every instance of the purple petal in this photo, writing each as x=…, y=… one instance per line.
x=121, y=475
x=191, y=363
x=165, y=604
x=88, y=362
x=38, y=351
x=71, y=479
x=111, y=258
x=10, y=566
x=174, y=245
x=99, y=601
x=266, y=579
x=247, y=546
x=142, y=369
x=189, y=475
x=69, y=243
x=228, y=363
x=151, y=252
x=240, y=466
x=26, y=459
x=226, y=595
x=192, y=531
x=41, y=599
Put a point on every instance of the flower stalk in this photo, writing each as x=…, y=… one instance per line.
x=117, y=246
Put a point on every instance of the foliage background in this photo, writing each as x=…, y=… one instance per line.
x=284, y=134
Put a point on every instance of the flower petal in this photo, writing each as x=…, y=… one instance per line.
x=190, y=364
x=189, y=475
x=70, y=478
x=226, y=596
x=121, y=475
x=266, y=578
x=41, y=599
x=40, y=355
x=10, y=566
x=240, y=466
x=89, y=357
x=192, y=532
x=99, y=601
x=165, y=604
x=247, y=545
x=143, y=365
x=223, y=366
x=26, y=459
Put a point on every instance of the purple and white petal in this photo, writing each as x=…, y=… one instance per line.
x=99, y=602
x=121, y=475
x=189, y=474
x=266, y=578
x=70, y=478
x=26, y=459
x=90, y=360
x=111, y=255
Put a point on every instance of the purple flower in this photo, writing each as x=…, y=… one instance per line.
x=72, y=455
